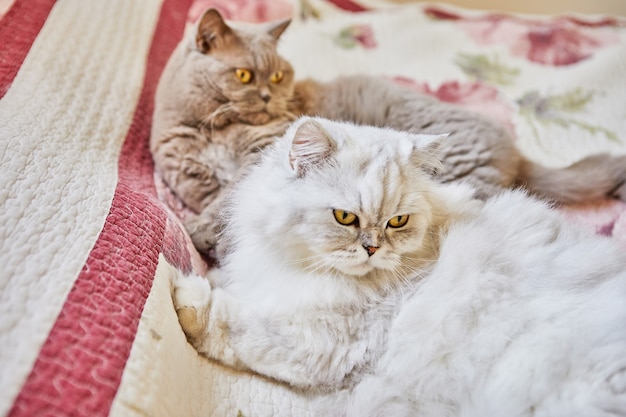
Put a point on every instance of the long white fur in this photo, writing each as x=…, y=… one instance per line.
x=522, y=314
x=260, y=219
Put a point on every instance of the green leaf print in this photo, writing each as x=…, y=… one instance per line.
x=308, y=11
x=561, y=110
x=356, y=35
x=345, y=39
x=486, y=69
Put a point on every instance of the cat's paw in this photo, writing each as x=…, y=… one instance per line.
x=192, y=300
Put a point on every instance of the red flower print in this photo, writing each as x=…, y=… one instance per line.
x=349, y=6
x=364, y=35
x=558, y=41
x=253, y=11
x=557, y=44
x=474, y=96
x=607, y=217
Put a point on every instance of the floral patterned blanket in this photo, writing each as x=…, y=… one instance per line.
x=88, y=240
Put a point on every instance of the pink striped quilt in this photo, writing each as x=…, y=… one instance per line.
x=89, y=237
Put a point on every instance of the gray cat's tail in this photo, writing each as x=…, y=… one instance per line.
x=594, y=177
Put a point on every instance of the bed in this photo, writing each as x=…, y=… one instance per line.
x=89, y=236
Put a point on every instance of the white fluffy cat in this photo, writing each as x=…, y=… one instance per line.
x=350, y=270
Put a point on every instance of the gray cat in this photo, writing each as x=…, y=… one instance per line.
x=225, y=94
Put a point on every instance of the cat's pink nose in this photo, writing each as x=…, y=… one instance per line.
x=266, y=97
x=370, y=249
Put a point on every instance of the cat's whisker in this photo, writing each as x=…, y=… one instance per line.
x=399, y=272
x=305, y=260
x=290, y=115
x=314, y=263
x=415, y=273
x=320, y=267
x=421, y=260
x=415, y=270
x=215, y=115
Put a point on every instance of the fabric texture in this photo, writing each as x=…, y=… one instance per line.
x=89, y=238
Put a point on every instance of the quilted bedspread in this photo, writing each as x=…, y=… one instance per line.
x=89, y=236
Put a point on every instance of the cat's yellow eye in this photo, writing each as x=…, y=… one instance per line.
x=244, y=75
x=276, y=77
x=345, y=217
x=398, y=221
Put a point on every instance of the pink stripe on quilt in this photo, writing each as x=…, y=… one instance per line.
x=80, y=366
x=18, y=30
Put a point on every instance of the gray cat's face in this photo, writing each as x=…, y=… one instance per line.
x=257, y=85
x=360, y=201
x=242, y=68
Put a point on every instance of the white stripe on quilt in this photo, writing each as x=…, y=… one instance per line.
x=62, y=124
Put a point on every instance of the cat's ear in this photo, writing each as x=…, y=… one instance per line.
x=212, y=30
x=428, y=143
x=426, y=147
x=276, y=29
x=311, y=145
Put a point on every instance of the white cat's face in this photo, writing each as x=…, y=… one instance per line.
x=360, y=229
x=352, y=199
